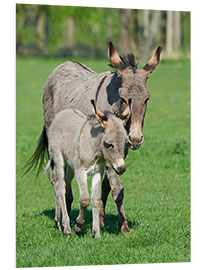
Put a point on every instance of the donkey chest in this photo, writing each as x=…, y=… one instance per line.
x=94, y=167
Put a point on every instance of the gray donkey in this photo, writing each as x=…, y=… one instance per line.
x=84, y=143
x=72, y=85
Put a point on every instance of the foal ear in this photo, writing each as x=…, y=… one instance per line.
x=152, y=63
x=115, y=59
x=101, y=117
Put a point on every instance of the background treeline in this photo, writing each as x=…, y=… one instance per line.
x=84, y=31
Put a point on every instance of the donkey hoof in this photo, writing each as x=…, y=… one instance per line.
x=78, y=229
x=101, y=221
x=97, y=236
x=125, y=228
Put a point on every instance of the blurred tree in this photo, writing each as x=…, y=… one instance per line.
x=185, y=23
x=69, y=30
x=177, y=29
x=169, y=33
x=150, y=39
x=125, y=34
x=40, y=30
x=146, y=23
x=108, y=25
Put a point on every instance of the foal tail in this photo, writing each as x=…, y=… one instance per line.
x=38, y=157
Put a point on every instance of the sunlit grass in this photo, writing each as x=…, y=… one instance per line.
x=157, y=180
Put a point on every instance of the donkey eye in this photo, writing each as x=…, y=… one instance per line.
x=108, y=145
x=146, y=100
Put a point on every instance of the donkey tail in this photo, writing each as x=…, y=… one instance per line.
x=40, y=154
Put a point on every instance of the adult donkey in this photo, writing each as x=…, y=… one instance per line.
x=73, y=85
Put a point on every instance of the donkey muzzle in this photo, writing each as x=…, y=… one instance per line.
x=135, y=142
x=120, y=170
x=119, y=166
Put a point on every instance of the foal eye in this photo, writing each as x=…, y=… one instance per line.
x=108, y=145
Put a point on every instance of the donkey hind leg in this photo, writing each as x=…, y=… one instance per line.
x=59, y=191
x=96, y=203
x=81, y=177
x=118, y=195
x=69, y=174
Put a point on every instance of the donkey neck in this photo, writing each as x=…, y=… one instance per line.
x=90, y=141
x=108, y=97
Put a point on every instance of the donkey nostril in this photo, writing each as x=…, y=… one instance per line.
x=142, y=139
x=136, y=139
x=121, y=169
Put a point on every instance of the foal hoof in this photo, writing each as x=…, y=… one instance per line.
x=125, y=228
x=96, y=235
x=58, y=224
x=68, y=235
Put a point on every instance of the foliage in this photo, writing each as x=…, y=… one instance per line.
x=157, y=180
x=92, y=27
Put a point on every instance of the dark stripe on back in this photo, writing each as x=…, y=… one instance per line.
x=79, y=114
x=86, y=68
x=99, y=87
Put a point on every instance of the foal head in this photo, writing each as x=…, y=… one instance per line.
x=134, y=88
x=115, y=137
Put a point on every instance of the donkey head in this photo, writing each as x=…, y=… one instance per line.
x=115, y=137
x=134, y=88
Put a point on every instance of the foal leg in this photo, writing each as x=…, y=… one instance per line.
x=96, y=203
x=69, y=195
x=59, y=191
x=58, y=209
x=81, y=177
x=118, y=195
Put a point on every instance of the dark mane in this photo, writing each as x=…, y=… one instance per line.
x=127, y=62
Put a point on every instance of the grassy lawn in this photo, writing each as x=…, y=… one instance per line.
x=157, y=180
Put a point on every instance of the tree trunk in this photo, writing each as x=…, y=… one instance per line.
x=70, y=32
x=46, y=34
x=177, y=29
x=149, y=43
x=125, y=17
x=108, y=26
x=146, y=23
x=169, y=33
x=40, y=31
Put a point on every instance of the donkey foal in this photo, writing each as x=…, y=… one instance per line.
x=83, y=144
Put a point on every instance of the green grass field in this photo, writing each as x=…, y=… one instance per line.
x=157, y=180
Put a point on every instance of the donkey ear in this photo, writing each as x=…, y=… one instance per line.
x=101, y=117
x=152, y=63
x=115, y=59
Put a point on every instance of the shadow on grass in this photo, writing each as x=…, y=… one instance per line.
x=110, y=221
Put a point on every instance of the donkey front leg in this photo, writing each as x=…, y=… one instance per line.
x=81, y=177
x=106, y=188
x=118, y=195
x=96, y=203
